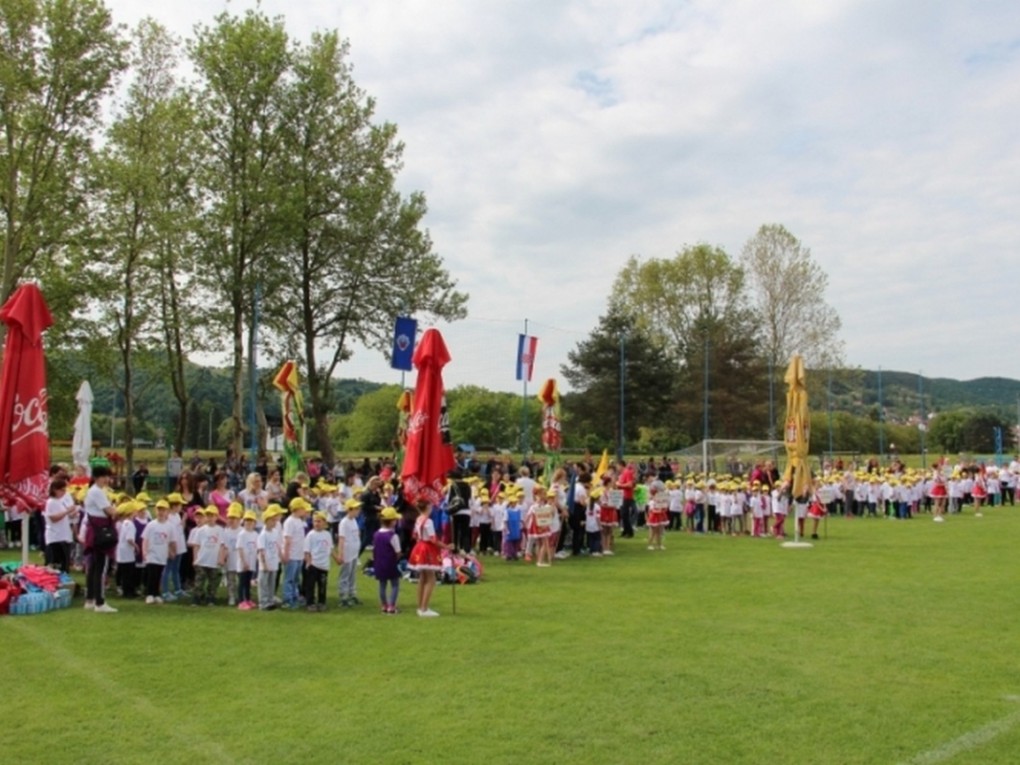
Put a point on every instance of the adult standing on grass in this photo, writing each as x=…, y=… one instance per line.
x=100, y=523
x=626, y=482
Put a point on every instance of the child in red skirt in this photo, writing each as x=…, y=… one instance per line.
x=426, y=556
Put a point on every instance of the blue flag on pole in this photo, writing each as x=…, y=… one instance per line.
x=403, y=342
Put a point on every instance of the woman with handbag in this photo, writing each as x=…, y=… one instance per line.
x=100, y=540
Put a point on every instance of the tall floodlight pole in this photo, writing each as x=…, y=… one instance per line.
x=704, y=442
x=881, y=418
x=772, y=398
x=623, y=383
x=253, y=371
x=924, y=419
x=829, y=395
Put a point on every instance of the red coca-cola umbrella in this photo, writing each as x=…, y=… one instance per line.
x=429, y=455
x=24, y=429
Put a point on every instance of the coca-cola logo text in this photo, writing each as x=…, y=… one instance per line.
x=30, y=417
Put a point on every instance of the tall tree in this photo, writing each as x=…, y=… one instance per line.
x=787, y=289
x=355, y=254
x=242, y=62
x=696, y=303
x=127, y=177
x=58, y=59
x=594, y=373
x=672, y=298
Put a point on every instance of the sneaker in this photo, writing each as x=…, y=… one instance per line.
x=157, y=600
x=242, y=606
x=596, y=555
x=106, y=608
x=662, y=547
x=355, y=601
x=428, y=612
x=651, y=547
x=814, y=536
x=938, y=519
x=90, y=605
x=978, y=515
x=608, y=552
x=169, y=597
x=180, y=594
x=543, y=565
x=562, y=554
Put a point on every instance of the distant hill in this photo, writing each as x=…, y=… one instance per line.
x=902, y=393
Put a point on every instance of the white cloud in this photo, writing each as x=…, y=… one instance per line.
x=553, y=140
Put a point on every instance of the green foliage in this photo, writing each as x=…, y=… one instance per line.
x=353, y=249
x=593, y=371
x=788, y=293
x=372, y=425
x=491, y=420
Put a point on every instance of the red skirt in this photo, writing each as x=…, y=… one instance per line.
x=608, y=516
x=657, y=518
x=938, y=490
x=538, y=532
x=425, y=556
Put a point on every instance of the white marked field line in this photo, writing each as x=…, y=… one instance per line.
x=206, y=749
x=968, y=741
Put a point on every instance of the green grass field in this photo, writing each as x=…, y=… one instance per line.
x=888, y=642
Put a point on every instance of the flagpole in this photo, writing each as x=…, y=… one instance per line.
x=524, y=406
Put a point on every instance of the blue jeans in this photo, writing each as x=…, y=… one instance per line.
x=172, y=575
x=292, y=582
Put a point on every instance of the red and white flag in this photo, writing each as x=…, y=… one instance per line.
x=526, y=347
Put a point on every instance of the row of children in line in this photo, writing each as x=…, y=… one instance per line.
x=149, y=551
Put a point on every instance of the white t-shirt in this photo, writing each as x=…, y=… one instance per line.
x=156, y=538
x=96, y=501
x=349, y=539
x=269, y=544
x=228, y=540
x=498, y=511
x=247, y=550
x=57, y=531
x=177, y=531
x=125, y=541
x=528, y=487
x=207, y=540
x=318, y=545
x=293, y=539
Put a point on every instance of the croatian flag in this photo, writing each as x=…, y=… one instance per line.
x=526, y=347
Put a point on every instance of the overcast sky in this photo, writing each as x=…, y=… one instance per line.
x=555, y=139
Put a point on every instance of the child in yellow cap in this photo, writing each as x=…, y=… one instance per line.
x=269, y=546
x=348, y=548
x=247, y=560
x=228, y=550
x=317, y=547
x=293, y=556
x=205, y=541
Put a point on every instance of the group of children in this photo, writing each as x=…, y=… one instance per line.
x=244, y=553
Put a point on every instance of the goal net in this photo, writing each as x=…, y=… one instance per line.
x=733, y=456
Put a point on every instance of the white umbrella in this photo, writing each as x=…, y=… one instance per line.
x=81, y=444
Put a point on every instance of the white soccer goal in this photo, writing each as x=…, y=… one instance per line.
x=733, y=456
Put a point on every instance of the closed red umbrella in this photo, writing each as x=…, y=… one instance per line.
x=24, y=431
x=429, y=455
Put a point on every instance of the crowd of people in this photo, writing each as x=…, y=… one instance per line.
x=270, y=544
